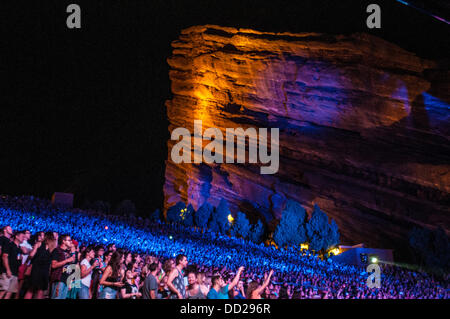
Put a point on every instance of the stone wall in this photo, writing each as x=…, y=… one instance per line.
x=363, y=124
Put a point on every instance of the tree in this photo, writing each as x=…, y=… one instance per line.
x=175, y=212
x=219, y=221
x=321, y=235
x=241, y=226
x=126, y=207
x=419, y=239
x=431, y=248
x=333, y=234
x=291, y=229
x=257, y=232
x=213, y=226
x=188, y=216
x=440, y=257
x=203, y=214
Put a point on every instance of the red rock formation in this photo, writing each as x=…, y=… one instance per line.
x=363, y=127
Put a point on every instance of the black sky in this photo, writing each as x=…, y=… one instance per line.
x=83, y=110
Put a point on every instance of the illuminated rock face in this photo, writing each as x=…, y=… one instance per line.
x=363, y=128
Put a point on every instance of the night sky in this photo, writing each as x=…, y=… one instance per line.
x=83, y=111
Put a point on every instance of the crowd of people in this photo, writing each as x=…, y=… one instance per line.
x=52, y=252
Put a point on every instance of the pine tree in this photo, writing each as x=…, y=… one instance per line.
x=431, y=248
x=219, y=221
x=203, y=214
x=333, y=235
x=419, y=239
x=175, y=212
x=291, y=229
x=213, y=225
x=188, y=216
x=257, y=232
x=241, y=226
x=321, y=235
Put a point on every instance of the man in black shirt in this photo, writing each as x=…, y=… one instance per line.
x=12, y=259
x=5, y=238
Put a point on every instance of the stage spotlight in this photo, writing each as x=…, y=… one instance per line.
x=374, y=260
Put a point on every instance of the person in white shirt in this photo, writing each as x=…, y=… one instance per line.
x=26, y=247
x=86, y=272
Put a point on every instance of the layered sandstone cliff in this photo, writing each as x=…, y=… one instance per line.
x=363, y=124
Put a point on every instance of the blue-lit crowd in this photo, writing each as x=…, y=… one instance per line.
x=52, y=252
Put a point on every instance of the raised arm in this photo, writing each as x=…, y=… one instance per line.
x=243, y=292
x=266, y=282
x=86, y=271
x=34, y=250
x=57, y=264
x=236, y=278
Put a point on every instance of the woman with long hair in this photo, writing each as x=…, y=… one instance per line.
x=107, y=258
x=112, y=277
x=127, y=260
x=40, y=271
x=254, y=290
x=167, y=267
